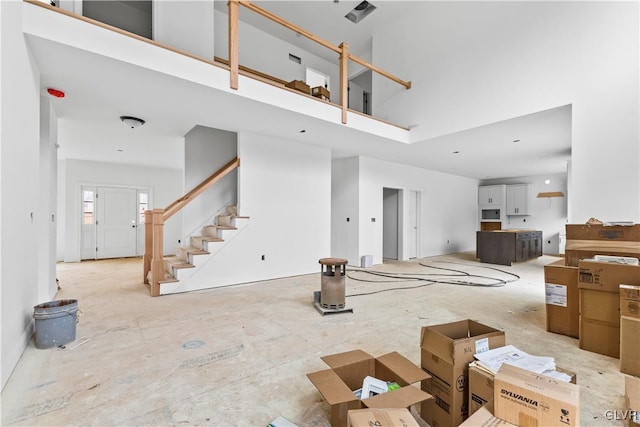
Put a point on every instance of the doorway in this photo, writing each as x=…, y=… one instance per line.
x=391, y=223
x=112, y=221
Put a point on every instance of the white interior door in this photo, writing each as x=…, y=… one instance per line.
x=412, y=218
x=116, y=222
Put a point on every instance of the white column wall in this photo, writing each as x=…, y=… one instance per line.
x=185, y=25
x=48, y=200
x=483, y=62
x=166, y=185
x=286, y=192
x=344, y=204
x=448, y=210
x=206, y=151
x=20, y=211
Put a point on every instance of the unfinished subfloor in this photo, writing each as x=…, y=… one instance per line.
x=239, y=355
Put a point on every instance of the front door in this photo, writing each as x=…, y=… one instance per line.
x=116, y=222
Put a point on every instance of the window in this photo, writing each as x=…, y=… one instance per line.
x=87, y=206
x=143, y=205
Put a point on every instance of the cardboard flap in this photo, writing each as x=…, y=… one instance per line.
x=332, y=388
x=346, y=358
x=403, y=368
x=402, y=398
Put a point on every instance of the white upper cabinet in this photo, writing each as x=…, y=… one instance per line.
x=491, y=195
x=518, y=199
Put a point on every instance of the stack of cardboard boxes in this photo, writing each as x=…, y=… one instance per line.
x=446, y=351
x=582, y=295
x=601, y=298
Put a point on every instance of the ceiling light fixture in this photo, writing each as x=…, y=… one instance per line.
x=547, y=181
x=516, y=140
x=132, y=122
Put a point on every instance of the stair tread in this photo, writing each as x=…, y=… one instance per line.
x=222, y=227
x=168, y=279
x=209, y=238
x=194, y=251
x=178, y=263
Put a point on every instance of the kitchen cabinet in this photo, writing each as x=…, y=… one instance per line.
x=506, y=246
x=491, y=195
x=518, y=199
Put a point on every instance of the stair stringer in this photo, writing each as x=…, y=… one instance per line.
x=208, y=268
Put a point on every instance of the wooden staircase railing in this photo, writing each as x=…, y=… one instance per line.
x=154, y=220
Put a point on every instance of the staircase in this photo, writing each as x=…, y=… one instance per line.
x=202, y=247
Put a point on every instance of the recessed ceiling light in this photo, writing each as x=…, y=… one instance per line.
x=120, y=150
x=547, y=181
x=302, y=130
x=456, y=152
x=516, y=140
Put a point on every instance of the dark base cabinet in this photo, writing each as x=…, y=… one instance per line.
x=506, y=246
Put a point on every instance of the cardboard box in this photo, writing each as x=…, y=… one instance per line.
x=480, y=388
x=484, y=417
x=603, y=232
x=632, y=400
x=576, y=250
x=600, y=322
x=561, y=298
x=446, y=351
x=347, y=372
x=299, y=85
x=630, y=345
x=606, y=276
x=630, y=301
x=381, y=417
x=321, y=92
x=526, y=398
x=481, y=385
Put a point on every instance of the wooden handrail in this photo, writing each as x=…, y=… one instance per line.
x=180, y=203
x=289, y=25
x=321, y=41
x=406, y=84
x=153, y=259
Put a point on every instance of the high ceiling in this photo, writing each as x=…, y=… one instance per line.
x=104, y=88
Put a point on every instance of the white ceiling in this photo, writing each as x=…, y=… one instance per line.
x=101, y=89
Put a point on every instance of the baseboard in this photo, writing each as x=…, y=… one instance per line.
x=10, y=361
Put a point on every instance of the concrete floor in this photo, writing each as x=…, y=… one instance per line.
x=239, y=355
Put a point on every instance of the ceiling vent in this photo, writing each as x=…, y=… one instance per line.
x=360, y=12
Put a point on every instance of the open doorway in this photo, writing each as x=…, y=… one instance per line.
x=391, y=220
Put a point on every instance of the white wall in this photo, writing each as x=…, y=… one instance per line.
x=20, y=210
x=547, y=214
x=285, y=189
x=47, y=287
x=206, y=151
x=186, y=25
x=166, y=186
x=271, y=55
x=483, y=62
x=448, y=210
x=345, y=218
